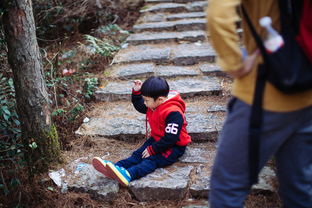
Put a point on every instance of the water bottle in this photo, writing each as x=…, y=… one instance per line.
x=274, y=40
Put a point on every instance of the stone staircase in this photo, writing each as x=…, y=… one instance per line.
x=169, y=40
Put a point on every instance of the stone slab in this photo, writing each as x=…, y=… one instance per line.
x=188, y=87
x=121, y=121
x=211, y=69
x=154, y=26
x=204, y=154
x=159, y=1
x=204, y=127
x=165, y=7
x=144, y=70
x=200, y=187
x=198, y=6
x=190, y=54
x=188, y=15
x=129, y=71
x=175, y=71
x=142, y=54
x=170, y=1
x=164, y=184
x=154, y=37
x=179, y=25
x=190, y=24
x=203, y=204
x=178, y=54
x=82, y=177
x=157, y=17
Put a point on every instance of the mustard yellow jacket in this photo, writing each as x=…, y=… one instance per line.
x=221, y=17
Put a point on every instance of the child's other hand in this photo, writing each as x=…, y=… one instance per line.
x=145, y=154
x=137, y=85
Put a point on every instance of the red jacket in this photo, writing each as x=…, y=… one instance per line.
x=157, y=118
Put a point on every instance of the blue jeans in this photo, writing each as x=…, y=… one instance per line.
x=139, y=167
x=287, y=136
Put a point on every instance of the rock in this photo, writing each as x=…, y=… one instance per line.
x=186, y=86
x=145, y=18
x=166, y=7
x=211, y=69
x=175, y=71
x=163, y=184
x=179, y=25
x=189, y=54
x=142, y=54
x=187, y=15
x=200, y=187
x=129, y=71
x=199, y=155
x=153, y=37
x=198, y=6
x=82, y=177
x=123, y=122
x=190, y=24
x=266, y=180
x=217, y=108
x=154, y=26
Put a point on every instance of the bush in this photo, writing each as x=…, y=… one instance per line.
x=11, y=149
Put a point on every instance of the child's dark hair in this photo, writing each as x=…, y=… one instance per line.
x=155, y=87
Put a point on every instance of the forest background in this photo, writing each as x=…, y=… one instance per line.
x=77, y=40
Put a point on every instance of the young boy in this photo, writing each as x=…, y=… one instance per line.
x=165, y=113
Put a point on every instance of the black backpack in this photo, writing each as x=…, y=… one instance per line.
x=288, y=69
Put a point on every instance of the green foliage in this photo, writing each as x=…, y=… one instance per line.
x=58, y=112
x=111, y=29
x=11, y=149
x=102, y=47
x=89, y=87
x=9, y=123
x=75, y=111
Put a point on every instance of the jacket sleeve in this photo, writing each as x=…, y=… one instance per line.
x=221, y=18
x=174, y=122
x=138, y=102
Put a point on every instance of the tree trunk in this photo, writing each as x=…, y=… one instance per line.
x=31, y=95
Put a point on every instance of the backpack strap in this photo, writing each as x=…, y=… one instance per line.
x=255, y=126
x=254, y=33
x=256, y=116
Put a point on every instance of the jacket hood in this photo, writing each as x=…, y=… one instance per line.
x=175, y=99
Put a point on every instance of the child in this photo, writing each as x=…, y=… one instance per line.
x=169, y=138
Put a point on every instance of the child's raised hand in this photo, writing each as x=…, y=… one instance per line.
x=137, y=85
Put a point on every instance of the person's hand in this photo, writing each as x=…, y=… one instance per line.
x=137, y=85
x=247, y=65
x=145, y=153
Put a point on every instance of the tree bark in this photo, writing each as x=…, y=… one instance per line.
x=31, y=95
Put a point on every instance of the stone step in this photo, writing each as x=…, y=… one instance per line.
x=144, y=70
x=188, y=15
x=178, y=25
x=178, y=54
x=190, y=175
x=121, y=121
x=188, y=87
x=170, y=1
x=163, y=17
x=163, y=184
x=163, y=37
x=197, y=6
x=201, y=183
x=80, y=176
